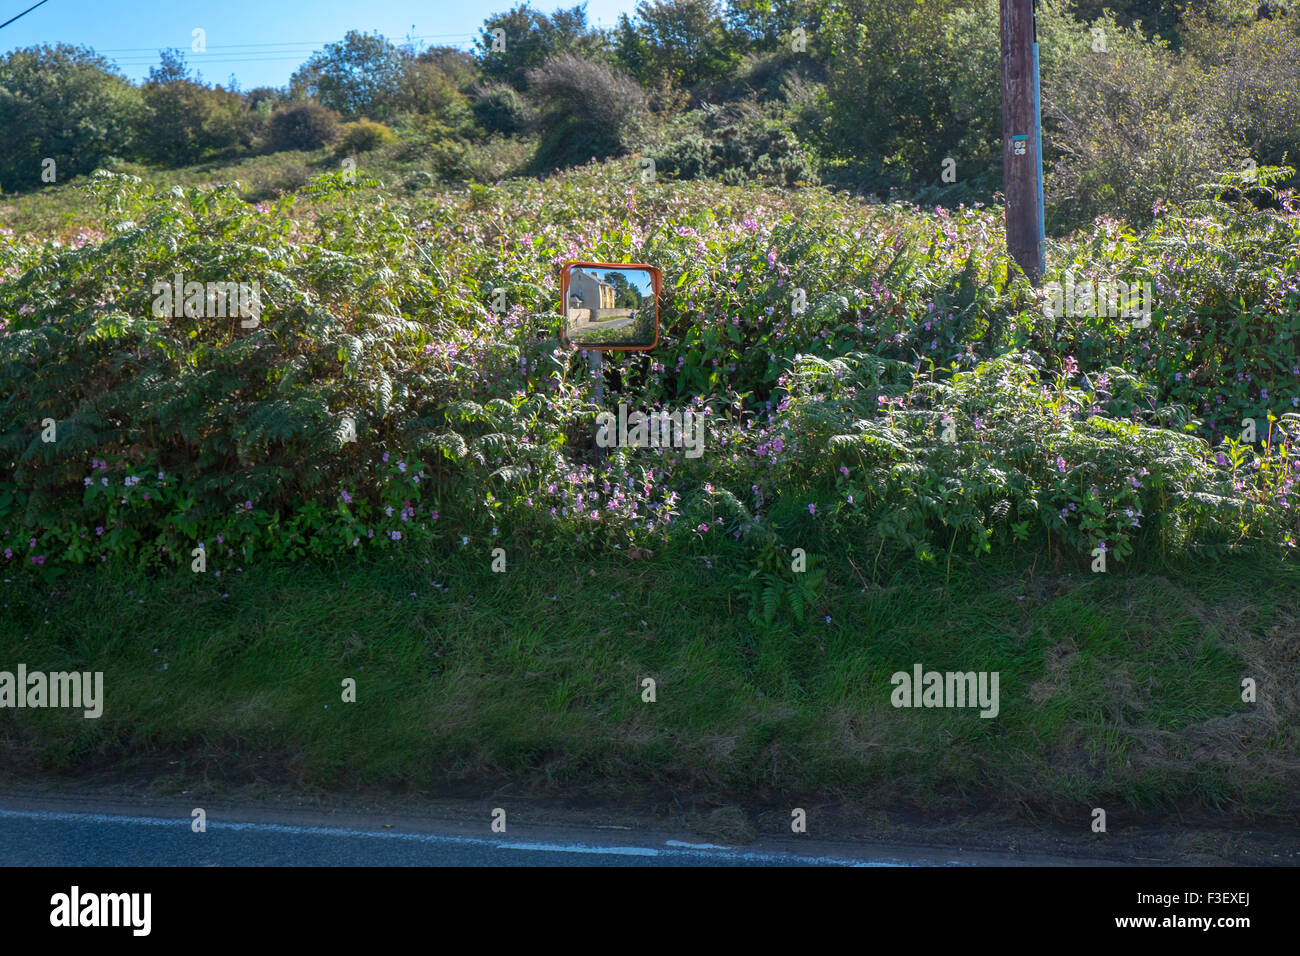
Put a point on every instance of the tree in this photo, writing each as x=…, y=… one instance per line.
x=531, y=38
x=1248, y=59
x=1156, y=16
x=626, y=295
x=1127, y=127
x=769, y=24
x=171, y=68
x=888, y=114
x=677, y=42
x=361, y=75
x=971, y=80
x=65, y=104
x=458, y=66
x=185, y=120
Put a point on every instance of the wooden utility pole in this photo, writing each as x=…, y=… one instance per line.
x=1022, y=137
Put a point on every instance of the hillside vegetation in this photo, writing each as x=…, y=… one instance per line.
x=380, y=400
x=1068, y=438
x=386, y=470
x=1143, y=101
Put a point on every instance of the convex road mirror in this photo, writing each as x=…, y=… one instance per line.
x=610, y=305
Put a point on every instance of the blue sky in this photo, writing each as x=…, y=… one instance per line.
x=639, y=279
x=260, y=41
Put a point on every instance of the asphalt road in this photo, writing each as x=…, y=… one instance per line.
x=33, y=834
x=44, y=838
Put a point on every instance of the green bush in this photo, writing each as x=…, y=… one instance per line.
x=589, y=110
x=499, y=108
x=486, y=161
x=763, y=76
x=427, y=89
x=570, y=141
x=804, y=106
x=363, y=136
x=1125, y=127
x=303, y=126
x=738, y=143
x=201, y=410
x=1251, y=76
x=686, y=156
x=1003, y=453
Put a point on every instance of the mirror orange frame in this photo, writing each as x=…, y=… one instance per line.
x=656, y=282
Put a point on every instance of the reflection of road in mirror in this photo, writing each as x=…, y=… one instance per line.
x=613, y=306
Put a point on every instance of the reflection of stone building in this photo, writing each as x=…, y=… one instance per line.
x=588, y=292
x=591, y=309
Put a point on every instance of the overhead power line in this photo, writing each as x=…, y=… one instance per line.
x=277, y=43
x=277, y=52
x=216, y=59
x=198, y=62
x=23, y=14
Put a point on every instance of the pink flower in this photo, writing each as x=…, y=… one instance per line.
x=812, y=509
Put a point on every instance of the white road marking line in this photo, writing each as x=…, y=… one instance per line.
x=240, y=826
x=576, y=848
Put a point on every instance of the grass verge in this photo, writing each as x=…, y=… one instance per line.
x=1116, y=690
